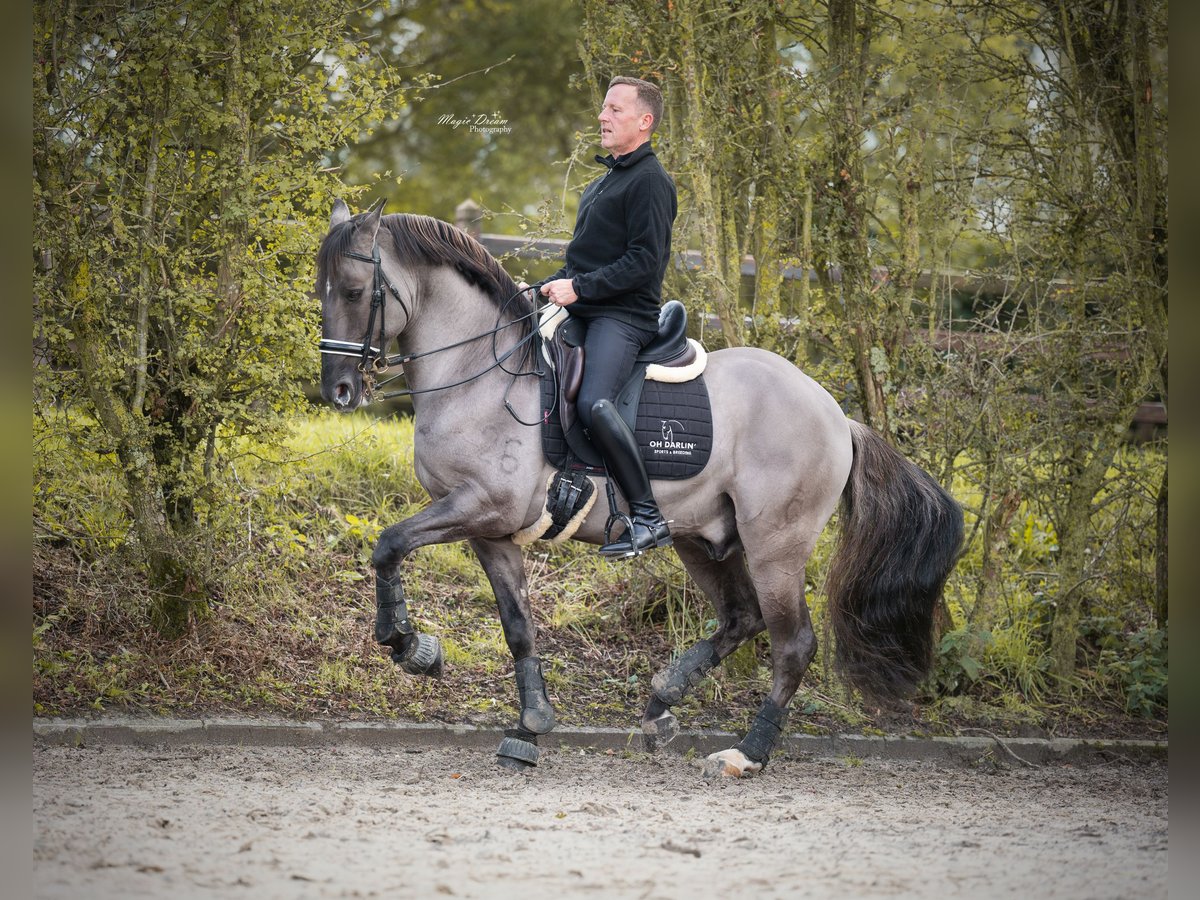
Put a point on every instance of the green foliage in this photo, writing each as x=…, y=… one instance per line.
x=1000, y=650
x=956, y=660
x=1018, y=662
x=1010, y=661
x=77, y=492
x=1136, y=666
x=180, y=187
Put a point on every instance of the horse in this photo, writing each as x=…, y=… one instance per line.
x=784, y=455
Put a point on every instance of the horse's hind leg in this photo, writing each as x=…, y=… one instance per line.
x=728, y=586
x=793, y=645
x=501, y=560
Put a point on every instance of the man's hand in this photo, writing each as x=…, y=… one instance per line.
x=560, y=291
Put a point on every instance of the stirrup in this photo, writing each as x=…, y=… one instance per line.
x=615, y=516
x=626, y=547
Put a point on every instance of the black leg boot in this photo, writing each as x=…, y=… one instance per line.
x=625, y=466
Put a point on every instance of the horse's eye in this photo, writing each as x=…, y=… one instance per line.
x=353, y=294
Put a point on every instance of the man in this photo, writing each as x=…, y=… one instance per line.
x=612, y=280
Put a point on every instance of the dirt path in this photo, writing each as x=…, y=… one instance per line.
x=351, y=822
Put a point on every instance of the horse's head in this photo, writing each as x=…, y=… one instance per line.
x=360, y=312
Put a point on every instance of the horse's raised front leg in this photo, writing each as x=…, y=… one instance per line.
x=729, y=588
x=502, y=561
x=416, y=654
x=451, y=518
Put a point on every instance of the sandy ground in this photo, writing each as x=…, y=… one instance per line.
x=349, y=822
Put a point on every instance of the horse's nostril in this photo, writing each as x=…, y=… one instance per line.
x=342, y=394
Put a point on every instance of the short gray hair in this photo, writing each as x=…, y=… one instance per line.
x=648, y=94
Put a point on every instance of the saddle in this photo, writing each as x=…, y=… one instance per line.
x=664, y=395
x=665, y=403
x=670, y=357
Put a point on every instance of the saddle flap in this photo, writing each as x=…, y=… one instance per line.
x=572, y=374
x=570, y=380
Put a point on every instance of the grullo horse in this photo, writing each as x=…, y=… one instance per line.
x=784, y=454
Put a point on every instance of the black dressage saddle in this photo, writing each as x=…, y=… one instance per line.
x=672, y=419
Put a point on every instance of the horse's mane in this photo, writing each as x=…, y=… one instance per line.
x=429, y=241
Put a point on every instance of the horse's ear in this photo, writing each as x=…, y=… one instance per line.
x=373, y=216
x=341, y=213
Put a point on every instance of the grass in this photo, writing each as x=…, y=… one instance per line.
x=289, y=631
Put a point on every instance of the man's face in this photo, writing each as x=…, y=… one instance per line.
x=624, y=122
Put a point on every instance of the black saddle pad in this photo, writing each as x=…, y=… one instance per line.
x=673, y=427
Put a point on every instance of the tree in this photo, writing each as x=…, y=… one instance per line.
x=180, y=186
x=1088, y=204
x=1024, y=141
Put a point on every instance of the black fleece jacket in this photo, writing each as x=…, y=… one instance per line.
x=619, y=251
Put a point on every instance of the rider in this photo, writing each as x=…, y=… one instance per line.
x=612, y=281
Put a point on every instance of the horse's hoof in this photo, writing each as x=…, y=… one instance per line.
x=657, y=733
x=731, y=763
x=424, y=657
x=513, y=765
x=517, y=755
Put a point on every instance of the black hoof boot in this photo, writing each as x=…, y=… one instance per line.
x=518, y=752
x=421, y=656
x=765, y=731
x=537, y=715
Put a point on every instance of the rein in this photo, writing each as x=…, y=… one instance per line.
x=373, y=362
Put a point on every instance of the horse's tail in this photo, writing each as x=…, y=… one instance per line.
x=899, y=536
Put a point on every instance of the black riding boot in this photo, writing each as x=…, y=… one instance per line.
x=625, y=466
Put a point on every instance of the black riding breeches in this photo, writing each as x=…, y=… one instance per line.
x=609, y=351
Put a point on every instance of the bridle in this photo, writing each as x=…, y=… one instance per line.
x=373, y=362
x=371, y=359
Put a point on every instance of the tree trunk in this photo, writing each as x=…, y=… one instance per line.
x=147, y=251
x=800, y=358
x=847, y=50
x=1074, y=531
x=768, y=280
x=175, y=594
x=719, y=290
x=1150, y=246
x=1160, y=560
x=910, y=178
x=995, y=539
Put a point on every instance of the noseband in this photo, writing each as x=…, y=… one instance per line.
x=373, y=362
